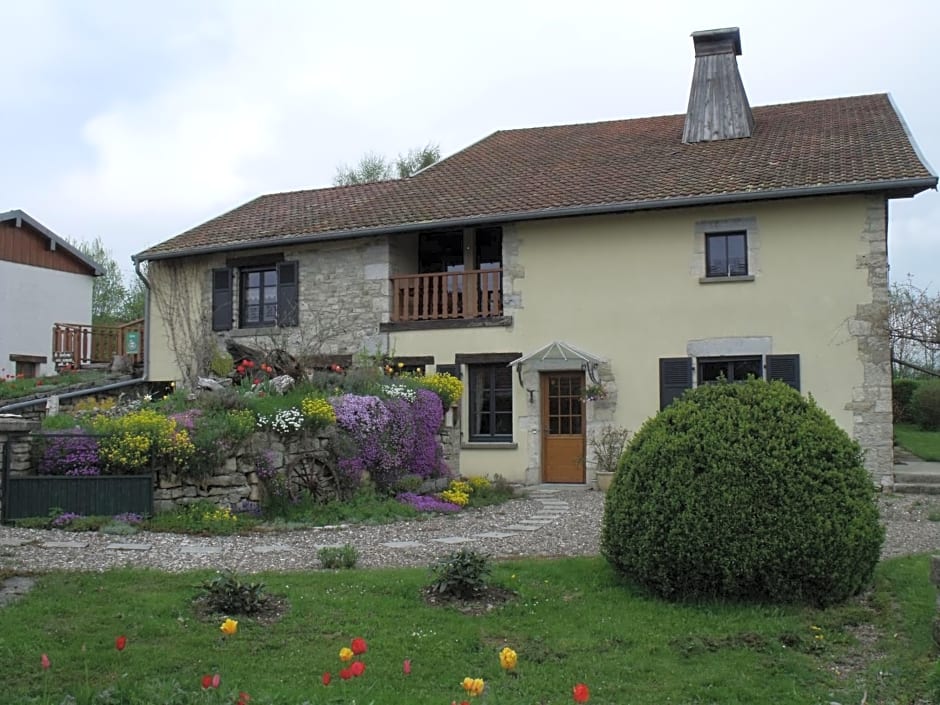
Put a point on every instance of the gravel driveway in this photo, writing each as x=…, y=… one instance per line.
x=546, y=521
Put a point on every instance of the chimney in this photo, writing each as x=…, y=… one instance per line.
x=718, y=107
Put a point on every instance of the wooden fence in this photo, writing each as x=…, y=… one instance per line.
x=77, y=344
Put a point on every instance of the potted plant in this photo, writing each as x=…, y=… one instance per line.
x=593, y=392
x=608, y=444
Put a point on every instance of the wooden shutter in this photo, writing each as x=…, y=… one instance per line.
x=287, y=294
x=675, y=376
x=222, y=299
x=785, y=368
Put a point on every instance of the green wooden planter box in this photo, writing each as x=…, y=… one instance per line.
x=34, y=496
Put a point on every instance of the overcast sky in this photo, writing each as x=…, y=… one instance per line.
x=135, y=121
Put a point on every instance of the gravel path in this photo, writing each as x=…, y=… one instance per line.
x=545, y=522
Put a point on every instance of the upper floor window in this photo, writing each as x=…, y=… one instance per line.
x=267, y=295
x=726, y=254
x=258, y=297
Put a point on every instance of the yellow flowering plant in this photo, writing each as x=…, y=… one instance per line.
x=473, y=686
x=318, y=412
x=229, y=626
x=132, y=442
x=507, y=658
x=445, y=385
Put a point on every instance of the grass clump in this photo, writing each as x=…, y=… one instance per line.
x=462, y=575
x=743, y=491
x=228, y=594
x=336, y=557
x=202, y=518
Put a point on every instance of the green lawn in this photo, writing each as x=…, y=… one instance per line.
x=923, y=444
x=572, y=621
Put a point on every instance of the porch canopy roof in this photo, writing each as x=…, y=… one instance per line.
x=558, y=355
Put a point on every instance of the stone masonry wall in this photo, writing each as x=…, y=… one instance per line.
x=871, y=400
x=343, y=297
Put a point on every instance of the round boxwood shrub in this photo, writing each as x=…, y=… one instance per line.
x=744, y=491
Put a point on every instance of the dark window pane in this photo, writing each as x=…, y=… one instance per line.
x=251, y=314
x=737, y=255
x=270, y=311
x=711, y=371
x=553, y=406
x=565, y=406
x=565, y=426
x=553, y=425
x=576, y=425
x=744, y=368
x=504, y=424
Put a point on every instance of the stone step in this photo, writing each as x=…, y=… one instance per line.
x=915, y=477
x=916, y=488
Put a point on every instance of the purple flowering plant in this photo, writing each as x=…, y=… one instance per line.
x=427, y=503
x=73, y=453
x=391, y=438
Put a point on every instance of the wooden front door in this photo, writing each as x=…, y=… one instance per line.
x=562, y=427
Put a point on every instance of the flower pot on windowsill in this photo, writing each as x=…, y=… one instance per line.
x=603, y=480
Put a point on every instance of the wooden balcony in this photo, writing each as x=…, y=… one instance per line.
x=468, y=295
x=78, y=344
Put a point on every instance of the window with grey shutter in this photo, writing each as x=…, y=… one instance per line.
x=222, y=299
x=288, y=313
x=785, y=368
x=675, y=376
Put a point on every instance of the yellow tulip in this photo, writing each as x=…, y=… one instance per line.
x=229, y=627
x=473, y=686
x=507, y=658
x=346, y=654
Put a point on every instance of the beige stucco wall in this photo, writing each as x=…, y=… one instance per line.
x=627, y=289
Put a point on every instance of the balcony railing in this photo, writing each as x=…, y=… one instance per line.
x=475, y=293
x=77, y=344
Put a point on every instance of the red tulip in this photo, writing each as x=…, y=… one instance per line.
x=44, y=660
x=256, y=380
x=358, y=645
x=206, y=681
x=357, y=668
x=120, y=643
x=406, y=666
x=243, y=698
x=345, y=674
x=326, y=678
x=580, y=693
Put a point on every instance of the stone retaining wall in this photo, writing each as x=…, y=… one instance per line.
x=306, y=460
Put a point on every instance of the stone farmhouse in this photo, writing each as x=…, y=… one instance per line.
x=580, y=275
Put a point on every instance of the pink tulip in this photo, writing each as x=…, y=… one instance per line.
x=406, y=666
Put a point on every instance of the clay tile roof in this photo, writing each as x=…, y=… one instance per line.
x=818, y=147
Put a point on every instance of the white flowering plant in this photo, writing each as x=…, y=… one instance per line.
x=285, y=421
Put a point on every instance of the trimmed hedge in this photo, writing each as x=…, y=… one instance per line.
x=925, y=405
x=902, y=390
x=743, y=491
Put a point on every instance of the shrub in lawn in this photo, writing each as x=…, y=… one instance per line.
x=334, y=557
x=229, y=594
x=925, y=405
x=743, y=490
x=901, y=392
x=462, y=575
